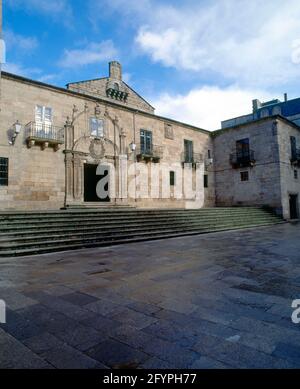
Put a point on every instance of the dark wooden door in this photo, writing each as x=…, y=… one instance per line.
x=294, y=207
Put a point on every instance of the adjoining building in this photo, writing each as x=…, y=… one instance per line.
x=57, y=143
x=290, y=109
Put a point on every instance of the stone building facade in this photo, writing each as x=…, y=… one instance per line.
x=58, y=144
x=255, y=164
x=52, y=140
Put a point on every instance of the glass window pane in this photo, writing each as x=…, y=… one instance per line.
x=39, y=113
x=96, y=127
x=48, y=114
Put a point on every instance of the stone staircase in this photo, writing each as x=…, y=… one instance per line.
x=27, y=233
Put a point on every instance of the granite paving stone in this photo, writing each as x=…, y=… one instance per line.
x=117, y=355
x=210, y=301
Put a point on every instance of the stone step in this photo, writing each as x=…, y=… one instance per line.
x=130, y=210
x=40, y=232
x=124, y=221
x=26, y=230
x=49, y=219
x=36, y=241
x=34, y=235
x=134, y=212
x=75, y=246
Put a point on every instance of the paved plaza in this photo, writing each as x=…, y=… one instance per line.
x=210, y=301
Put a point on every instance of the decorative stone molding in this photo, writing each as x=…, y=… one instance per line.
x=96, y=149
x=169, y=132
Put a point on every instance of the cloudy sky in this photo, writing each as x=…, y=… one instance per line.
x=198, y=61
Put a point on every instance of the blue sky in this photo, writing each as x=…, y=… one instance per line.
x=196, y=61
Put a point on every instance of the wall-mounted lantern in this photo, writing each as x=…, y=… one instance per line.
x=132, y=146
x=17, y=129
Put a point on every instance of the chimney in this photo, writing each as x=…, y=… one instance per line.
x=115, y=70
x=256, y=104
x=285, y=97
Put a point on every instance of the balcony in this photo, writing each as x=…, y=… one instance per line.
x=192, y=158
x=242, y=159
x=295, y=159
x=149, y=154
x=46, y=135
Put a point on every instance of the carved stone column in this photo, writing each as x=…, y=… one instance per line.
x=122, y=141
x=78, y=179
x=122, y=168
x=69, y=178
x=69, y=135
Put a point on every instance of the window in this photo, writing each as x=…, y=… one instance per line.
x=116, y=86
x=97, y=127
x=43, y=114
x=243, y=147
x=205, y=180
x=146, y=142
x=188, y=151
x=208, y=154
x=3, y=171
x=296, y=174
x=43, y=119
x=244, y=176
x=293, y=148
x=172, y=178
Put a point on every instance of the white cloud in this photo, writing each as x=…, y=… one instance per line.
x=18, y=42
x=20, y=70
x=92, y=53
x=206, y=107
x=249, y=42
x=127, y=77
x=48, y=78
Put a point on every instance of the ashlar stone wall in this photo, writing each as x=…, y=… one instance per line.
x=263, y=187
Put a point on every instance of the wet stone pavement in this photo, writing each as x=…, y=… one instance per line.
x=210, y=301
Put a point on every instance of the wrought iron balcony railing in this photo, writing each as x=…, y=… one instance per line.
x=242, y=159
x=44, y=134
x=192, y=158
x=151, y=153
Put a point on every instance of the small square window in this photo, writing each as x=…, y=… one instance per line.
x=172, y=178
x=97, y=127
x=3, y=171
x=205, y=180
x=244, y=176
x=296, y=174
